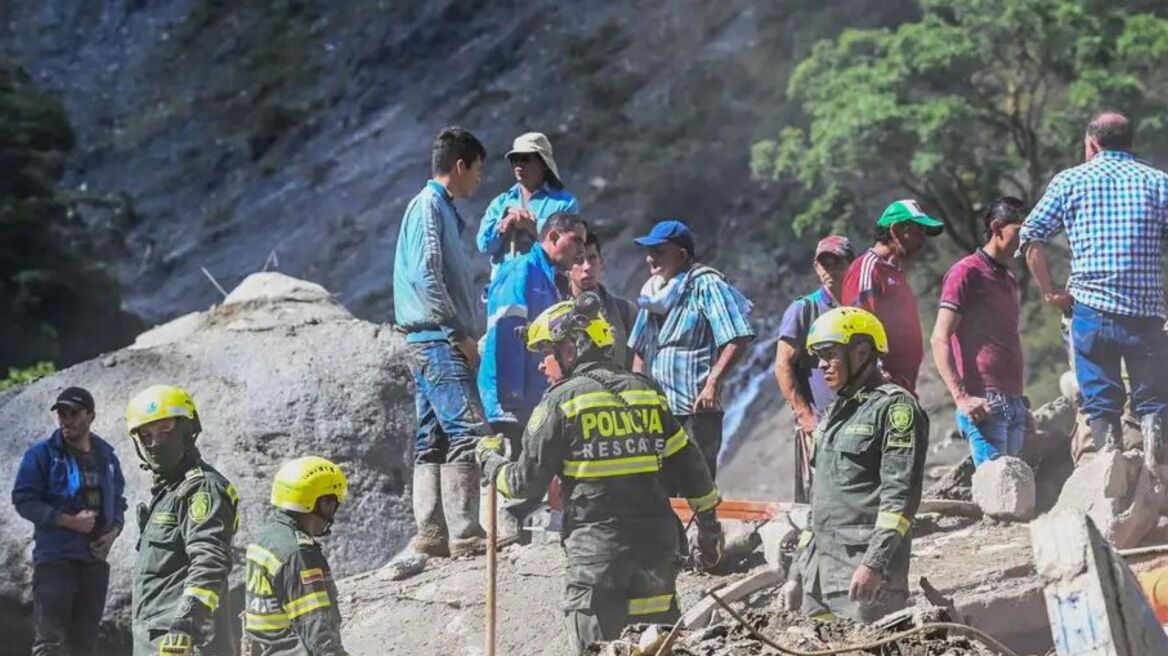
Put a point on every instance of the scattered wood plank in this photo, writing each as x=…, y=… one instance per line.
x=698, y=616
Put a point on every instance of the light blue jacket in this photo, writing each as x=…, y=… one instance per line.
x=434, y=297
x=510, y=382
x=542, y=204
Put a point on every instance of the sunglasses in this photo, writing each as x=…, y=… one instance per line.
x=522, y=158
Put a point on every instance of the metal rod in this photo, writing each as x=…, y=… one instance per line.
x=492, y=545
x=1143, y=551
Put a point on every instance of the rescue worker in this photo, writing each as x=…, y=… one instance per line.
x=870, y=449
x=609, y=435
x=292, y=604
x=185, y=533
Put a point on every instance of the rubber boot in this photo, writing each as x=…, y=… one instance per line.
x=431, y=537
x=1152, y=430
x=460, y=504
x=1105, y=434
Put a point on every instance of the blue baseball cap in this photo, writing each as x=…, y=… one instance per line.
x=668, y=231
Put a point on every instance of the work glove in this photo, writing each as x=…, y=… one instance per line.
x=176, y=643
x=489, y=448
x=707, y=546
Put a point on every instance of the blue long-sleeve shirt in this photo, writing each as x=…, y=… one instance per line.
x=510, y=382
x=545, y=202
x=433, y=291
x=48, y=483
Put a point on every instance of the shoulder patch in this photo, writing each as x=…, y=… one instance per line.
x=900, y=417
x=538, y=416
x=310, y=576
x=304, y=540
x=200, y=507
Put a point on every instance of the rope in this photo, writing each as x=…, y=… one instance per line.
x=960, y=629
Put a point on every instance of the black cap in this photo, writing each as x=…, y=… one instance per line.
x=74, y=397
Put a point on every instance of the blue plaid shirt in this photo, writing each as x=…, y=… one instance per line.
x=1115, y=212
x=680, y=347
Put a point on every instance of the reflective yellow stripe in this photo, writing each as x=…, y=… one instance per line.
x=676, y=443
x=894, y=521
x=306, y=604
x=826, y=616
x=501, y=484
x=805, y=538
x=272, y=622
x=705, y=502
x=650, y=605
x=605, y=399
x=263, y=558
x=614, y=467
x=209, y=598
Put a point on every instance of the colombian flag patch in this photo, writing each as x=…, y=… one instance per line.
x=310, y=576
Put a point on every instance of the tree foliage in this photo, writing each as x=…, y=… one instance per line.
x=58, y=304
x=976, y=99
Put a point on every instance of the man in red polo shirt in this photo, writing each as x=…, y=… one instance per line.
x=877, y=283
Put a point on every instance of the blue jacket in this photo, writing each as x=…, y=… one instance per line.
x=510, y=382
x=49, y=482
x=543, y=203
x=433, y=292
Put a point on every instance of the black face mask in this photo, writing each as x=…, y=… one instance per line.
x=168, y=457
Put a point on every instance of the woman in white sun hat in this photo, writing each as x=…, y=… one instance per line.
x=513, y=220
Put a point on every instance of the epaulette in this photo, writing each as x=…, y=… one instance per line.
x=305, y=540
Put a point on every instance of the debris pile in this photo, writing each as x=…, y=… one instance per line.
x=906, y=634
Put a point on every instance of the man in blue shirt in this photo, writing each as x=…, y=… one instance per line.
x=71, y=488
x=435, y=304
x=516, y=217
x=510, y=381
x=691, y=329
x=1115, y=213
x=800, y=379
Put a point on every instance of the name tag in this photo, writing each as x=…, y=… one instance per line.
x=163, y=518
x=860, y=429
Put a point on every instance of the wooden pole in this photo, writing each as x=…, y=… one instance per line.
x=492, y=544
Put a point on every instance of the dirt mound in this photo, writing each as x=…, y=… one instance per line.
x=278, y=371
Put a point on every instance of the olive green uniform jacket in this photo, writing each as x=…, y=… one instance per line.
x=291, y=607
x=184, y=559
x=870, y=452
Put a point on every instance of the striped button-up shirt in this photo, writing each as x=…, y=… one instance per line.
x=1115, y=212
x=680, y=347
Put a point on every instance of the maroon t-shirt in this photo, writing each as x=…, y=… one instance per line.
x=986, y=346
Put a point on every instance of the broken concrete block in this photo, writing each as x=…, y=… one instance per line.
x=1004, y=489
x=652, y=639
x=776, y=536
x=1118, y=493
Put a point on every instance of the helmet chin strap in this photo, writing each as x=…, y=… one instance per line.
x=855, y=382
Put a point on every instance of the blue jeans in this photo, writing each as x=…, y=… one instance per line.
x=1103, y=343
x=999, y=434
x=450, y=414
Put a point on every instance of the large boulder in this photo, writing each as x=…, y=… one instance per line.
x=1004, y=489
x=1118, y=493
x=279, y=370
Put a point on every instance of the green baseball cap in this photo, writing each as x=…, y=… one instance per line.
x=909, y=210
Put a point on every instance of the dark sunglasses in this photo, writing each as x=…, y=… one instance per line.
x=522, y=158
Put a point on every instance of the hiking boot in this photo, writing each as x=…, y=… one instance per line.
x=1106, y=434
x=1152, y=430
x=460, y=504
x=431, y=538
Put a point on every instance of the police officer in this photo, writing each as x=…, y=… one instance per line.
x=292, y=605
x=870, y=451
x=610, y=437
x=184, y=547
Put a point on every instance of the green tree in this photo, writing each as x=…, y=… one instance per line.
x=58, y=304
x=975, y=99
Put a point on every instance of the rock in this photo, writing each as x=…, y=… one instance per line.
x=652, y=639
x=778, y=538
x=406, y=564
x=274, y=377
x=1004, y=489
x=1117, y=492
x=954, y=484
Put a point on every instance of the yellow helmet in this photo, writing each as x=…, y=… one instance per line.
x=559, y=321
x=840, y=325
x=301, y=482
x=160, y=402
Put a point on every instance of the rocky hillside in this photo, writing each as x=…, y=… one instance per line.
x=292, y=133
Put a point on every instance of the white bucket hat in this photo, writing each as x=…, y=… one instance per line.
x=536, y=142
